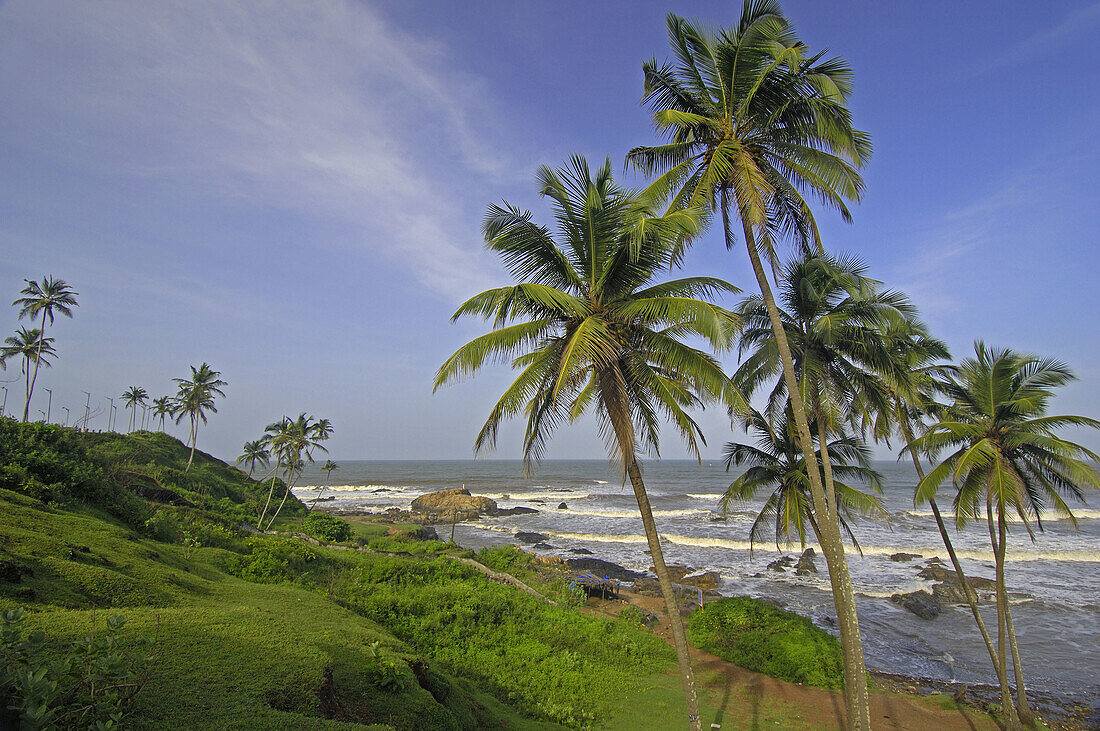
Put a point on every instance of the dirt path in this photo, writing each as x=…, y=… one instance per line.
x=742, y=695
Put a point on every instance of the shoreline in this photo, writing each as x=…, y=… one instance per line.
x=1059, y=711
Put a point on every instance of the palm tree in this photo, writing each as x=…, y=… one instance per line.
x=912, y=368
x=593, y=331
x=293, y=442
x=163, y=408
x=327, y=469
x=775, y=464
x=1008, y=457
x=133, y=398
x=195, y=398
x=44, y=300
x=30, y=345
x=754, y=121
x=254, y=452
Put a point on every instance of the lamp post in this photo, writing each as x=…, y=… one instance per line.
x=66, y=408
x=110, y=411
x=87, y=404
x=49, y=404
x=43, y=414
x=4, y=408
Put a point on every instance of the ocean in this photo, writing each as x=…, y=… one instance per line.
x=1054, y=581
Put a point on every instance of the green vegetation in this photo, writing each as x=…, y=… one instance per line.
x=326, y=528
x=769, y=640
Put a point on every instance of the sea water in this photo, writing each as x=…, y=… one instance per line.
x=1054, y=580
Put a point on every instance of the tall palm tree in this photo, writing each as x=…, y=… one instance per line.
x=294, y=441
x=43, y=299
x=133, y=398
x=163, y=408
x=195, y=399
x=591, y=331
x=912, y=367
x=35, y=349
x=254, y=452
x=755, y=121
x=1006, y=458
x=327, y=469
x=775, y=465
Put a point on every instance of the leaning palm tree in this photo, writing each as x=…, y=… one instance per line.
x=327, y=469
x=776, y=467
x=294, y=441
x=35, y=349
x=591, y=331
x=1006, y=458
x=254, y=452
x=195, y=399
x=133, y=398
x=43, y=299
x=163, y=407
x=755, y=121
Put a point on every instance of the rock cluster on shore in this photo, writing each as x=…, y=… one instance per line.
x=946, y=592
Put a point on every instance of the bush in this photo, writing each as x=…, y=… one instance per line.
x=327, y=527
x=768, y=640
x=272, y=560
x=89, y=683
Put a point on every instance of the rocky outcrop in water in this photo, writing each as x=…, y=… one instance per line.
x=530, y=537
x=456, y=504
x=901, y=556
x=601, y=568
x=805, y=565
x=920, y=603
x=781, y=564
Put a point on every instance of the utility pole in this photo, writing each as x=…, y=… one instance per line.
x=110, y=411
x=87, y=403
x=43, y=414
x=49, y=404
x=4, y=408
x=66, y=408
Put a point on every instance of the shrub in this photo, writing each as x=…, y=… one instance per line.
x=327, y=527
x=89, y=683
x=760, y=637
x=271, y=560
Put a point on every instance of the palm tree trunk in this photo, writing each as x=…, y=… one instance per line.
x=1012, y=719
x=968, y=591
x=624, y=434
x=856, y=697
x=826, y=462
x=37, y=360
x=289, y=484
x=27, y=389
x=270, y=492
x=1023, y=709
x=194, y=438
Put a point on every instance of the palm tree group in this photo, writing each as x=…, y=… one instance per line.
x=293, y=443
x=134, y=397
x=195, y=399
x=34, y=350
x=756, y=123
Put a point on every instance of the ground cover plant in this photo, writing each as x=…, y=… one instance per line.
x=760, y=637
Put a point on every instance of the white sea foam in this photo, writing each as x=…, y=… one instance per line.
x=600, y=482
x=350, y=488
x=630, y=513
x=1085, y=514
x=520, y=497
x=716, y=496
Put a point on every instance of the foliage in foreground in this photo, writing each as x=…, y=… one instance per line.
x=760, y=637
x=327, y=527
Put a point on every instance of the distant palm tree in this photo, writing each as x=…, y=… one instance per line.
x=195, y=398
x=133, y=398
x=327, y=469
x=595, y=332
x=30, y=345
x=755, y=120
x=254, y=452
x=1007, y=459
x=293, y=441
x=776, y=466
x=44, y=300
x=163, y=408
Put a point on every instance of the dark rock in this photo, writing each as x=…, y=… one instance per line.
x=530, y=537
x=543, y=546
x=583, y=551
x=936, y=572
x=902, y=556
x=451, y=505
x=515, y=511
x=779, y=564
x=651, y=587
x=602, y=568
x=676, y=571
x=948, y=594
x=540, y=502
x=805, y=565
x=381, y=489
x=702, y=580
x=562, y=506
x=936, y=559
x=714, y=517
x=920, y=603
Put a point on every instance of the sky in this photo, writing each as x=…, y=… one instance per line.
x=292, y=192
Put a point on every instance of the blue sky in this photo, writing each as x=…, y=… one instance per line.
x=292, y=191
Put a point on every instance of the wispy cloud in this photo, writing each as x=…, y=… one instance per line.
x=320, y=108
x=1079, y=22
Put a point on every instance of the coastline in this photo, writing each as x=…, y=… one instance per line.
x=1057, y=711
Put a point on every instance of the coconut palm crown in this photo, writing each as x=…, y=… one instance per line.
x=43, y=300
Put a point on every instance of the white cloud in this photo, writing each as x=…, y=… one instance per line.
x=322, y=108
